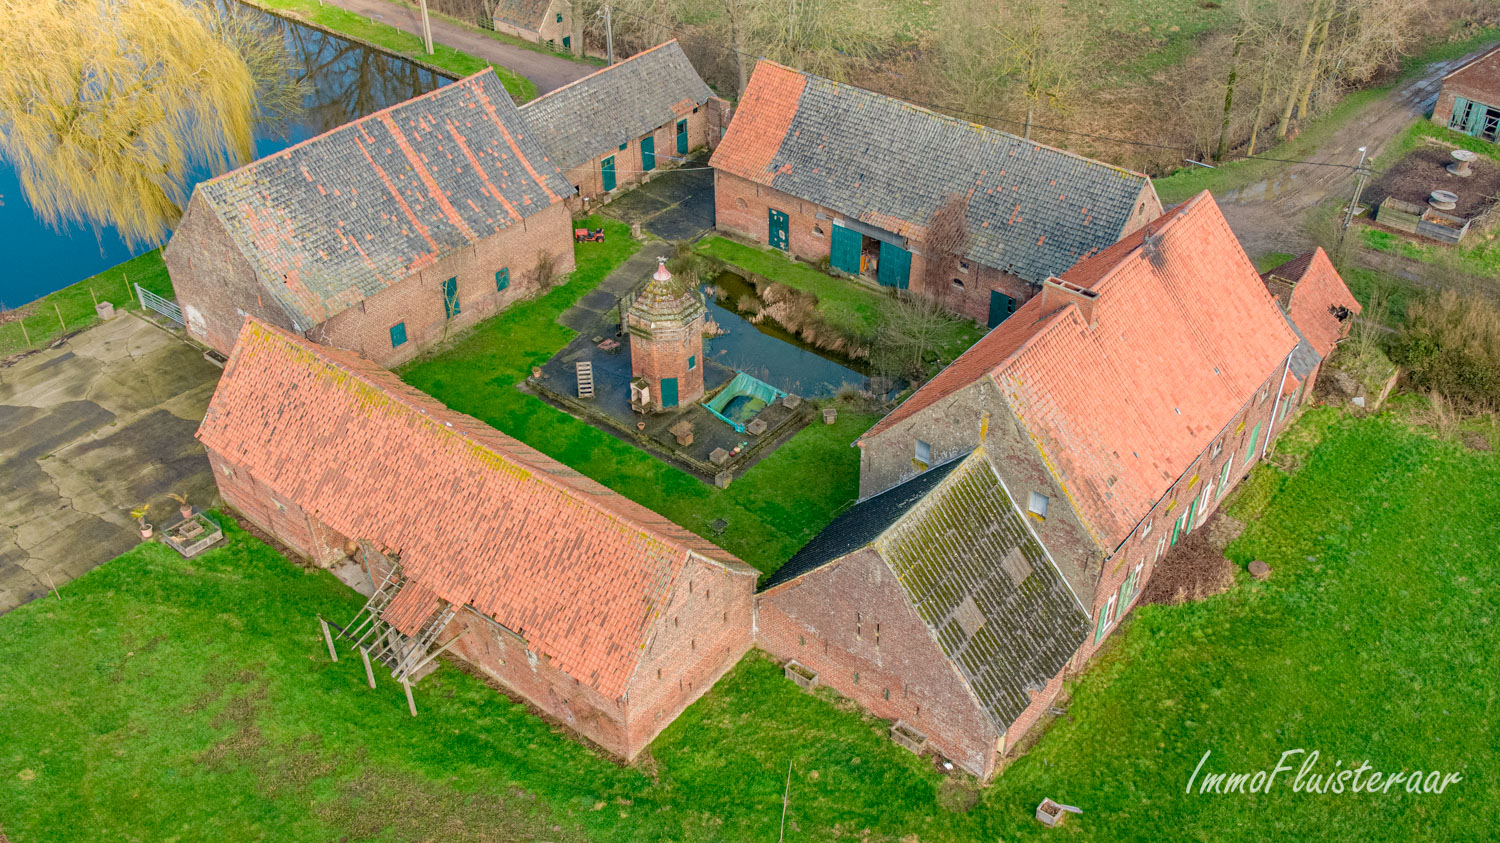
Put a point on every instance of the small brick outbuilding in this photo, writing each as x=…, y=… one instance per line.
x=590, y=607
x=882, y=189
x=616, y=126
x=1469, y=101
x=381, y=236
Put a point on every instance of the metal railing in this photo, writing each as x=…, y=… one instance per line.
x=165, y=307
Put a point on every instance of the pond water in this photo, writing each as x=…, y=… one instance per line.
x=769, y=353
x=344, y=81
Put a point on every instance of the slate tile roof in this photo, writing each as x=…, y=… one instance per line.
x=1031, y=210
x=1308, y=287
x=973, y=571
x=527, y=14
x=594, y=115
x=475, y=516
x=1185, y=335
x=340, y=217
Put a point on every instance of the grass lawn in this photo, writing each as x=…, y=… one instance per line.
x=772, y=510
x=168, y=699
x=1478, y=254
x=397, y=41
x=76, y=302
x=846, y=304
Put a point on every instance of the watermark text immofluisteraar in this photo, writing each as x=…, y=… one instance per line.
x=1306, y=775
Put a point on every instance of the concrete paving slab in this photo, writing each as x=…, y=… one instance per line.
x=92, y=429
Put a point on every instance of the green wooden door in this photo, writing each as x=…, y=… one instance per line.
x=1001, y=307
x=844, y=254
x=1254, y=437
x=682, y=146
x=895, y=266
x=607, y=170
x=648, y=154
x=776, y=229
x=669, y=392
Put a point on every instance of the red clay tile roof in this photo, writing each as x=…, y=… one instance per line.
x=1492, y=54
x=475, y=516
x=339, y=217
x=1119, y=410
x=410, y=608
x=1315, y=287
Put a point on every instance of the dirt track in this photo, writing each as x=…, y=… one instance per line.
x=1270, y=215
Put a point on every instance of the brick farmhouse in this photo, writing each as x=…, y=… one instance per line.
x=882, y=189
x=538, y=21
x=616, y=126
x=590, y=607
x=1114, y=411
x=382, y=235
x=1469, y=100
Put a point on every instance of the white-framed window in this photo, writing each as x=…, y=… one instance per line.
x=1106, y=618
x=923, y=453
x=1218, y=447
x=1037, y=505
x=1224, y=476
x=1146, y=528
x=1161, y=546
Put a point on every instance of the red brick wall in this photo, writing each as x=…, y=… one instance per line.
x=742, y=207
x=1147, y=208
x=213, y=282
x=852, y=618
x=589, y=177
x=702, y=631
x=1479, y=82
x=666, y=355
x=418, y=299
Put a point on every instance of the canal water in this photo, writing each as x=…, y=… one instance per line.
x=343, y=81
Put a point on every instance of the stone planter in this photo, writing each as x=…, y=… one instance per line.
x=830, y=415
x=192, y=536
x=909, y=737
x=805, y=677
x=1051, y=814
x=105, y=310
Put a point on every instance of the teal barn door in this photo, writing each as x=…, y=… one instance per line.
x=844, y=254
x=1001, y=307
x=895, y=266
x=682, y=146
x=668, y=392
x=607, y=171
x=776, y=229
x=648, y=153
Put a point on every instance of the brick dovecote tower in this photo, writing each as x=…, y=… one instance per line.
x=666, y=323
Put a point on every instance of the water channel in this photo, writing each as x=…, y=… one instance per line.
x=343, y=81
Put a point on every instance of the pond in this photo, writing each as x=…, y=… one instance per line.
x=770, y=353
x=344, y=81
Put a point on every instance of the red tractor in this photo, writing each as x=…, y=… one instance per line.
x=588, y=235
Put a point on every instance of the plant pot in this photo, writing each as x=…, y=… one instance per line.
x=185, y=511
x=146, y=532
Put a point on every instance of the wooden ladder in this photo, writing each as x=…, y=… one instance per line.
x=585, y=379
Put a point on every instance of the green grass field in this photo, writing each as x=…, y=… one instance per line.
x=397, y=41
x=167, y=699
x=772, y=510
x=72, y=307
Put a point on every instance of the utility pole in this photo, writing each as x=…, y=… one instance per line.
x=1363, y=174
x=426, y=28
x=609, y=35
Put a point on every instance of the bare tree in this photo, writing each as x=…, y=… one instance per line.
x=107, y=107
x=942, y=248
x=912, y=329
x=1027, y=45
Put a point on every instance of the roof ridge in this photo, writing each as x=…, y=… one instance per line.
x=454, y=85
x=410, y=398
x=604, y=69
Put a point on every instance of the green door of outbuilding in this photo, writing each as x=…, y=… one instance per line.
x=895, y=266
x=648, y=154
x=1001, y=307
x=669, y=392
x=844, y=253
x=607, y=170
x=682, y=146
x=776, y=229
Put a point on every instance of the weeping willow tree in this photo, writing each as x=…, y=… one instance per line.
x=108, y=106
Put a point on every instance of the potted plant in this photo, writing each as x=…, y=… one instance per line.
x=140, y=518
x=184, y=508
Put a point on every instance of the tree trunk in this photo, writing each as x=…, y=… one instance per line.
x=1030, y=110
x=1234, y=68
x=737, y=41
x=1260, y=107
x=1291, y=94
x=659, y=11
x=1315, y=68
x=576, y=18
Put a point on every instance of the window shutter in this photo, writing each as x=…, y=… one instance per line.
x=398, y=334
x=1459, y=117
x=502, y=279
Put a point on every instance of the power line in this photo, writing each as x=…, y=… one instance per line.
x=1009, y=120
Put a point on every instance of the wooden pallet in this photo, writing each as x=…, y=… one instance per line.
x=585, y=379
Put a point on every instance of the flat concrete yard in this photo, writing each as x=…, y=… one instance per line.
x=92, y=430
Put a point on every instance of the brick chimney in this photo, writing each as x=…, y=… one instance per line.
x=1057, y=293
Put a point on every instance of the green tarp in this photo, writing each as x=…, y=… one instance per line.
x=759, y=394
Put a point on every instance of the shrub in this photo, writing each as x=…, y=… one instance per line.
x=1451, y=345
